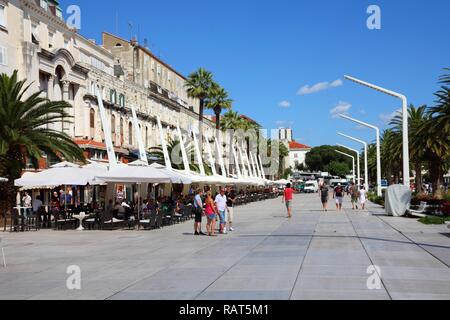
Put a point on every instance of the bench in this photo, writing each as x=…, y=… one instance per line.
x=420, y=212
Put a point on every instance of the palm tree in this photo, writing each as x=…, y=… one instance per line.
x=218, y=101
x=417, y=118
x=174, y=150
x=391, y=150
x=198, y=85
x=437, y=132
x=231, y=120
x=25, y=134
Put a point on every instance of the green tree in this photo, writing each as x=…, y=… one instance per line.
x=337, y=168
x=319, y=158
x=176, y=158
x=436, y=131
x=417, y=118
x=198, y=85
x=218, y=101
x=25, y=133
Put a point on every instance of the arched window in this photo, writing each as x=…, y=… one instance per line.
x=121, y=131
x=146, y=137
x=92, y=119
x=122, y=100
x=130, y=134
x=113, y=96
x=113, y=124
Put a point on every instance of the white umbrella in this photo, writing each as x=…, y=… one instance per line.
x=175, y=176
x=65, y=173
x=134, y=174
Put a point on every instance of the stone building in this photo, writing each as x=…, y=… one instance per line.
x=35, y=40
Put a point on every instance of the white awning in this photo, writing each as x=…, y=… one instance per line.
x=135, y=174
x=64, y=173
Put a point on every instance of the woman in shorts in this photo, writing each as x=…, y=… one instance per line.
x=211, y=214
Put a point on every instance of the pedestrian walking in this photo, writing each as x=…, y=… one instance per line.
x=222, y=209
x=354, y=194
x=363, y=197
x=231, y=198
x=339, y=196
x=324, y=193
x=198, y=207
x=287, y=198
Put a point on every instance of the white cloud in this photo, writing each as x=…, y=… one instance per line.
x=341, y=108
x=319, y=87
x=387, y=117
x=284, y=104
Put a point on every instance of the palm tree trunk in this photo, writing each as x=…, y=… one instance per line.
x=7, y=201
x=419, y=178
x=200, y=124
x=436, y=175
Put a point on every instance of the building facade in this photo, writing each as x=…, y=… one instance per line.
x=297, y=154
x=36, y=41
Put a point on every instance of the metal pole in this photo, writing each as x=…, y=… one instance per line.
x=353, y=159
x=377, y=130
x=357, y=161
x=406, y=175
x=366, y=166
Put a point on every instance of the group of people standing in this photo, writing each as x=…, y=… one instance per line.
x=358, y=196
x=218, y=208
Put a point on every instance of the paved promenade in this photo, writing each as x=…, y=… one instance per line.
x=312, y=256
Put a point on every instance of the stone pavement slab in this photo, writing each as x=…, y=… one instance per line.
x=315, y=255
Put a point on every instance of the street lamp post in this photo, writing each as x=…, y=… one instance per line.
x=404, y=100
x=377, y=130
x=366, y=166
x=353, y=159
x=357, y=162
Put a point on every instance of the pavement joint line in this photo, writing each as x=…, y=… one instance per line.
x=180, y=258
x=421, y=246
x=368, y=256
x=239, y=260
x=298, y=279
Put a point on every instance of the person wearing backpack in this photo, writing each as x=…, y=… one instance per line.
x=339, y=196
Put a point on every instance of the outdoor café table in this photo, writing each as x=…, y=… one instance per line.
x=81, y=217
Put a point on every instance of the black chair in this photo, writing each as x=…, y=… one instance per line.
x=159, y=219
x=150, y=223
x=108, y=222
x=17, y=224
x=187, y=213
x=169, y=217
x=93, y=222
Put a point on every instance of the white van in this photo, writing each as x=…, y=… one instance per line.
x=311, y=187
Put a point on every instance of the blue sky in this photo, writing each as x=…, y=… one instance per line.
x=265, y=52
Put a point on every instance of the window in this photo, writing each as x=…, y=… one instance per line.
x=122, y=100
x=50, y=39
x=59, y=13
x=113, y=96
x=158, y=68
x=44, y=5
x=113, y=124
x=121, y=130
x=146, y=137
x=92, y=119
x=130, y=134
x=3, y=60
x=2, y=16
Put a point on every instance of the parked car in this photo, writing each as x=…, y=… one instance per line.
x=311, y=187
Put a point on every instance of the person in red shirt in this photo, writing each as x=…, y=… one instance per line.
x=287, y=198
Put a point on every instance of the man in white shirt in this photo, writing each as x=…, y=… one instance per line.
x=221, y=204
x=27, y=204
